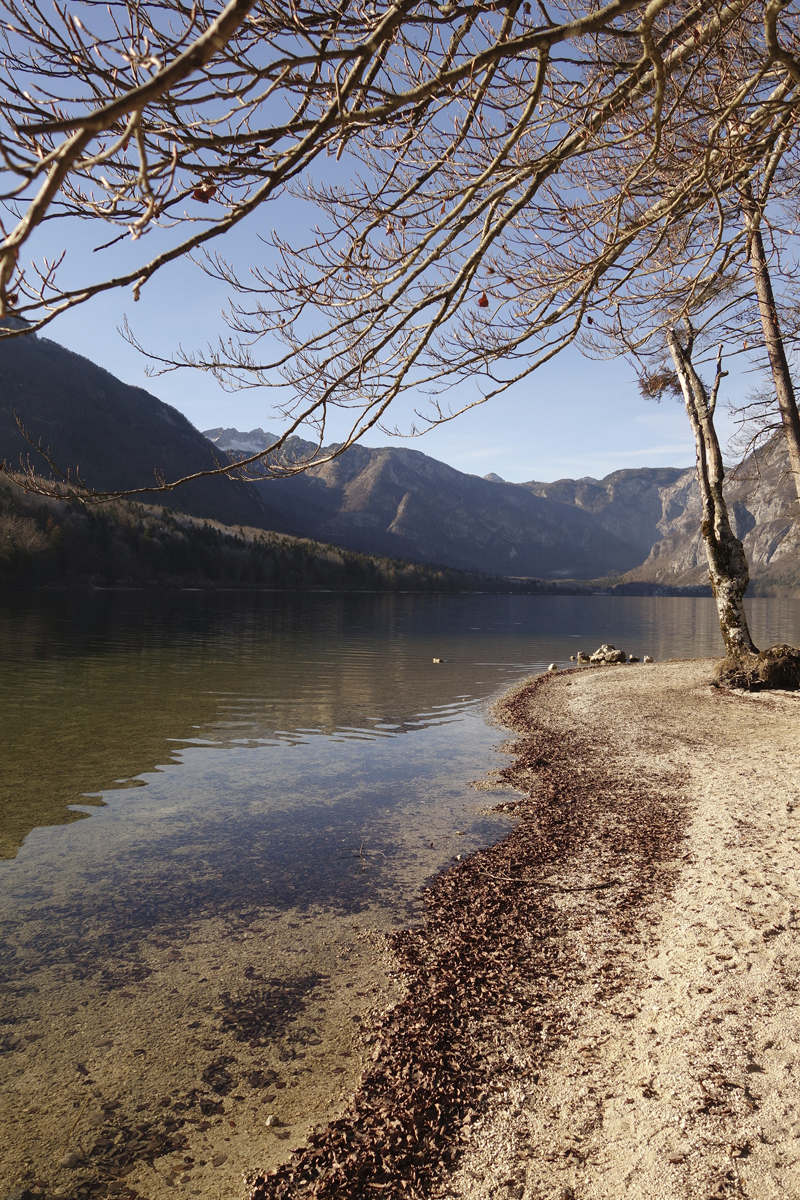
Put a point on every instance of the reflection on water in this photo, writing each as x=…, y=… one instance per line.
x=249, y=764
x=243, y=747
x=239, y=742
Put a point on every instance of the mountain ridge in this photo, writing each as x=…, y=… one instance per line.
x=115, y=434
x=654, y=512
x=636, y=526
x=400, y=501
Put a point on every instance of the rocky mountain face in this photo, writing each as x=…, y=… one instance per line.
x=641, y=526
x=404, y=503
x=763, y=508
x=662, y=507
x=632, y=505
x=116, y=435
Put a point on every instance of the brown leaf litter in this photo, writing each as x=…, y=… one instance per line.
x=605, y=1003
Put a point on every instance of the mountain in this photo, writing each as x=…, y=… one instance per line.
x=640, y=526
x=763, y=507
x=115, y=434
x=396, y=502
x=402, y=502
x=659, y=510
x=632, y=504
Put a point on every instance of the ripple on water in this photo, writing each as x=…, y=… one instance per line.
x=215, y=808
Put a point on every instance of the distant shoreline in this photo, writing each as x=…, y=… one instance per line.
x=56, y=544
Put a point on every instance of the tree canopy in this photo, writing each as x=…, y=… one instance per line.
x=486, y=179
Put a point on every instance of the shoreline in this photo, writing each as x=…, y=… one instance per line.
x=601, y=1004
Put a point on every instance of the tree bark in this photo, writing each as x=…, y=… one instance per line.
x=773, y=340
x=727, y=562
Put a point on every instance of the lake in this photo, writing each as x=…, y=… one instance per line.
x=215, y=809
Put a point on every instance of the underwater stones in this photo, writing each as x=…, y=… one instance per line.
x=608, y=654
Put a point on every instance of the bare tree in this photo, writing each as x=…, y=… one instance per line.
x=472, y=229
x=753, y=210
x=169, y=119
x=479, y=247
x=662, y=322
x=728, y=571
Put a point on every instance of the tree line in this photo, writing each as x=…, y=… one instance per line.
x=63, y=542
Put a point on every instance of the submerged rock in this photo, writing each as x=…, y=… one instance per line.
x=608, y=654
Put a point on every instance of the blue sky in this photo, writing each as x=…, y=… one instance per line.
x=574, y=417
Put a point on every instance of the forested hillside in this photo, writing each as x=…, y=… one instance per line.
x=59, y=543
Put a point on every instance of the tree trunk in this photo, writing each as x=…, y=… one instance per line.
x=773, y=340
x=727, y=563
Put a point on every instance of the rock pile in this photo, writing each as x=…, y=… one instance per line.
x=605, y=654
x=608, y=654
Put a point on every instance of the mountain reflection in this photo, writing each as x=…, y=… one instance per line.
x=103, y=687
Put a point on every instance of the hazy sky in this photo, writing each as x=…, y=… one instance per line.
x=574, y=417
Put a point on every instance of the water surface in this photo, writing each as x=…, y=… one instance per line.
x=213, y=806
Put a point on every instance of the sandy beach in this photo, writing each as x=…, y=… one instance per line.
x=605, y=1003
x=601, y=1004
x=681, y=1078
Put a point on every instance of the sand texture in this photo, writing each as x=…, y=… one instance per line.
x=675, y=1066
